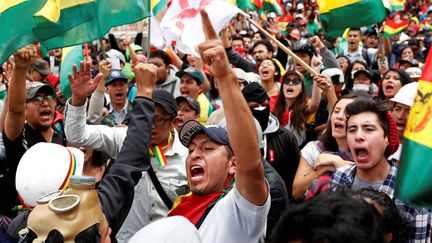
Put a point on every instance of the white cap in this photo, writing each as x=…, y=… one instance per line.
x=171, y=229
x=406, y=94
x=299, y=15
x=330, y=72
x=248, y=77
x=300, y=6
x=414, y=72
x=45, y=168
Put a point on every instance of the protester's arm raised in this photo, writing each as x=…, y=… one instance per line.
x=250, y=180
x=17, y=94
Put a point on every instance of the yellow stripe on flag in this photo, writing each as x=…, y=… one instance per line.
x=326, y=6
x=419, y=126
x=6, y=4
x=68, y=4
x=51, y=9
x=153, y=3
x=65, y=51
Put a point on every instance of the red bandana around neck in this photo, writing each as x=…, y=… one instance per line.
x=193, y=206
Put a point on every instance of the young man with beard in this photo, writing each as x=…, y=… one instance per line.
x=151, y=202
x=217, y=158
x=28, y=121
x=281, y=149
x=369, y=136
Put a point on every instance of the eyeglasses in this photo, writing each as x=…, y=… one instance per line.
x=160, y=121
x=293, y=81
x=38, y=100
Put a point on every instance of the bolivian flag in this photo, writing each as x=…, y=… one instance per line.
x=71, y=22
x=16, y=18
x=414, y=178
x=338, y=15
x=272, y=6
x=70, y=56
x=397, y=5
x=392, y=28
x=248, y=4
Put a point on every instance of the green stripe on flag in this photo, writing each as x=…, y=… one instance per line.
x=71, y=55
x=355, y=15
x=414, y=178
x=16, y=26
x=86, y=22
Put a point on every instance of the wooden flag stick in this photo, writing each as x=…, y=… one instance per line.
x=281, y=46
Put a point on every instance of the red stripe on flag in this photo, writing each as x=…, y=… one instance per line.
x=427, y=68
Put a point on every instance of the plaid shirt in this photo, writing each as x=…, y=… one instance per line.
x=420, y=218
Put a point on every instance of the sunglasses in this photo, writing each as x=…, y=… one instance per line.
x=293, y=81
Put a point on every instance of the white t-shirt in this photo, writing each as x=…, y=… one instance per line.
x=310, y=152
x=234, y=219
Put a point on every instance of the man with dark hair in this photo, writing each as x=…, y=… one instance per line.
x=337, y=217
x=166, y=78
x=230, y=196
x=262, y=49
x=372, y=138
x=281, y=149
x=29, y=119
x=166, y=180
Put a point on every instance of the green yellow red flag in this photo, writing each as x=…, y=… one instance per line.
x=66, y=23
x=392, y=28
x=336, y=16
x=16, y=18
x=414, y=180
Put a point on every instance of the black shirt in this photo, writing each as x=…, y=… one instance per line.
x=14, y=151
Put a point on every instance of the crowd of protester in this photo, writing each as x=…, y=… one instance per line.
x=243, y=142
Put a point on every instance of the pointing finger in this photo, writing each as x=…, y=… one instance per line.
x=209, y=31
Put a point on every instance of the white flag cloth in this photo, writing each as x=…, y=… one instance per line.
x=157, y=38
x=182, y=21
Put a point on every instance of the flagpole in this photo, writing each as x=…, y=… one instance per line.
x=102, y=48
x=148, y=30
x=283, y=47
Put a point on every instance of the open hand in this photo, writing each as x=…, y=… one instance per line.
x=81, y=83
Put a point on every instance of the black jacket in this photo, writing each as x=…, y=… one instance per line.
x=284, y=155
x=278, y=194
x=116, y=190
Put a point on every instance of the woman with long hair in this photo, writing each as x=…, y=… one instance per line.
x=293, y=107
x=269, y=73
x=329, y=152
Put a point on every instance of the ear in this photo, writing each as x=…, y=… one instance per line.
x=200, y=88
x=232, y=166
x=386, y=140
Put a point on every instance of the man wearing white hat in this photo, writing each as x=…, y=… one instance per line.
x=403, y=100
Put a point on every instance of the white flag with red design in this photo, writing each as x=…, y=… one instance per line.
x=182, y=21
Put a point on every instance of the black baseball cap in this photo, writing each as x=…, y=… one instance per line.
x=166, y=100
x=115, y=75
x=192, y=102
x=191, y=128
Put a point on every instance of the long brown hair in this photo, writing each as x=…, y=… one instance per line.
x=298, y=108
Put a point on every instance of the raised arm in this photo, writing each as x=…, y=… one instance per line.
x=116, y=190
x=101, y=138
x=94, y=114
x=250, y=180
x=17, y=94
